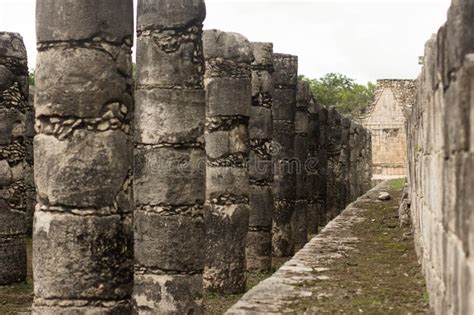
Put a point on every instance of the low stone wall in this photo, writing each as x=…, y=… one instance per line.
x=306, y=271
x=441, y=161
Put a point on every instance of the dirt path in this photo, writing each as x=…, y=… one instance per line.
x=363, y=262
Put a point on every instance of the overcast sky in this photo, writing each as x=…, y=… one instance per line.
x=364, y=39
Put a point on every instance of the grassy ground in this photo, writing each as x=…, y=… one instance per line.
x=217, y=304
x=16, y=299
x=382, y=276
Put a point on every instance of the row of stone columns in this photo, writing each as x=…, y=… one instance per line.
x=214, y=161
x=13, y=111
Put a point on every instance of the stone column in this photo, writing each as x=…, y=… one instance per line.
x=324, y=133
x=300, y=215
x=313, y=165
x=284, y=186
x=169, y=155
x=259, y=238
x=82, y=235
x=228, y=94
x=345, y=162
x=354, y=143
x=13, y=106
x=30, y=191
x=334, y=150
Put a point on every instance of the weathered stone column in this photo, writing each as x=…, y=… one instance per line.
x=82, y=236
x=345, y=162
x=259, y=238
x=313, y=166
x=169, y=155
x=334, y=151
x=284, y=186
x=13, y=106
x=324, y=133
x=30, y=191
x=300, y=215
x=354, y=143
x=228, y=95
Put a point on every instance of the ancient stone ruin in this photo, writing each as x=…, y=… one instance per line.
x=13, y=111
x=169, y=187
x=284, y=185
x=386, y=119
x=83, y=236
x=215, y=161
x=441, y=161
x=228, y=83
x=259, y=237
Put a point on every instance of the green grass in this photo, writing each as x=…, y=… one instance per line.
x=397, y=184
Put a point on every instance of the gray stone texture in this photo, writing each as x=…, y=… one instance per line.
x=322, y=156
x=228, y=84
x=441, y=159
x=169, y=169
x=83, y=234
x=333, y=147
x=300, y=215
x=259, y=239
x=284, y=185
x=13, y=111
x=314, y=167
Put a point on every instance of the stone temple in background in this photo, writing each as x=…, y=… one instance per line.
x=386, y=119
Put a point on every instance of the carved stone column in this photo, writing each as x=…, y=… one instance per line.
x=259, y=238
x=82, y=236
x=228, y=95
x=284, y=186
x=13, y=108
x=169, y=158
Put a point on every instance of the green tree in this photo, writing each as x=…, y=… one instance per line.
x=31, y=77
x=338, y=90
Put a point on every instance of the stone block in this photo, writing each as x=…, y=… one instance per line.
x=171, y=66
x=87, y=170
x=60, y=241
x=171, y=294
x=76, y=89
x=261, y=123
x=225, y=250
x=286, y=70
x=284, y=104
x=170, y=14
x=227, y=181
x=261, y=206
x=72, y=20
x=259, y=251
x=228, y=96
x=179, y=252
x=227, y=46
x=169, y=116
x=165, y=176
x=221, y=144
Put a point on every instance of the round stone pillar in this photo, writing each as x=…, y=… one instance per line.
x=300, y=215
x=169, y=155
x=228, y=94
x=13, y=109
x=82, y=234
x=259, y=238
x=285, y=166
